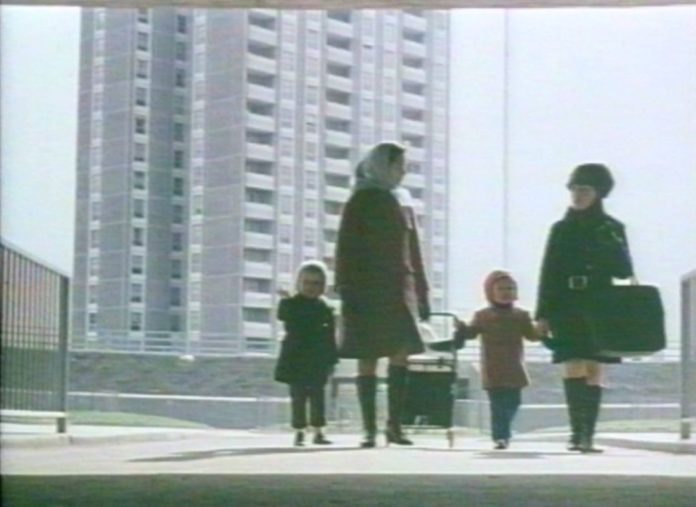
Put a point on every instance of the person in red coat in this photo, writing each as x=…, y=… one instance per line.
x=382, y=284
x=502, y=328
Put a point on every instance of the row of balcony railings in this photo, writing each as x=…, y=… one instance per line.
x=688, y=353
x=265, y=28
x=163, y=343
x=34, y=338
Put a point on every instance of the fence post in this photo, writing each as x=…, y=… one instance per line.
x=688, y=354
x=63, y=356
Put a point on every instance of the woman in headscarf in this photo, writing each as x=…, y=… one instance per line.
x=382, y=284
x=585, y=250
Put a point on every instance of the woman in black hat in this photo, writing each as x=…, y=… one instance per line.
x=586, y=249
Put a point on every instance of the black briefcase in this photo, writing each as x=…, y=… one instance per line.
x=627, y=321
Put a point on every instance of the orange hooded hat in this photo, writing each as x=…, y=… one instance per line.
x=491, y=279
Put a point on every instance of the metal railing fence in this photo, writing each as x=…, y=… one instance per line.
x=34, y=337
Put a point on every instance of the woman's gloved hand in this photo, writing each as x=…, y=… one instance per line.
x=424, y=310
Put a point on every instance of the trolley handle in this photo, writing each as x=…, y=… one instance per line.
x=444, y=314
x=448, y=345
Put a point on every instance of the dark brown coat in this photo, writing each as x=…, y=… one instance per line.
x=379, y=276
x=502, y=348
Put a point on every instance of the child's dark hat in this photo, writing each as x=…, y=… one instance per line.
x=594, y=175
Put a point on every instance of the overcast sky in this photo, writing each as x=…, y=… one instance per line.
x=610, y=85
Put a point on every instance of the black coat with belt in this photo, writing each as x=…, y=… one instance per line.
x=308, y=351
x=584, y=252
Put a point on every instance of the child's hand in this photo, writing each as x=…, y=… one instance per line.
x=283, y=293
x=460, y=324
x=542, y=327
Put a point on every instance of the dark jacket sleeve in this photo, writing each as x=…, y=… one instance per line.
x=287, y=313
x=332, y=350
x=549, y=279
x=616, y=257
x=417, y=260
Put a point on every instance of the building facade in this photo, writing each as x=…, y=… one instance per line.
x=216, y=149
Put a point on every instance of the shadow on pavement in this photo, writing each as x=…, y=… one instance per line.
x=251, y=451
x=520, y=454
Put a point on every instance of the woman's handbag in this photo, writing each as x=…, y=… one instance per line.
x=627, y=320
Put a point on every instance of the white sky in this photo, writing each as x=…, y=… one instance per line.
x=611, y=85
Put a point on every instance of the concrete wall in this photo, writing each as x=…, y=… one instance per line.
x=247, y=413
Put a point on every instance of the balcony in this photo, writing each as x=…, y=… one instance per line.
x=342, y=167
x=417, y=154
x=260, y=122
x=264, y=13
x=338, y=138
x=260, y=151
x=414, y=180
x=332, y=221
x=264, y=181
x=413, y=74
x=258, y=210
x=261, y=93
x=258, y=240
x=258, y=329
x=339, y=83
x=338, y=110
x=264, y=64
x=263, y=35
x=336, y=194
x=414, y=49
x=257, y=299
x=258, y=269
x=339, y=55
x=412, y=100
x=414, y=23
x=329, y=247
x=413, y=127
x=335, y=26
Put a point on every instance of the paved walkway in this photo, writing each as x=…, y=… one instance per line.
x=34, y=435
x=159, y=467
x=144, y=451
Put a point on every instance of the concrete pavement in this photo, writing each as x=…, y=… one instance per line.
x=162, y=468
x=221, y=452
x=14, y=435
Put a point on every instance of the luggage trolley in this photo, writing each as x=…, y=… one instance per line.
x=432, y=379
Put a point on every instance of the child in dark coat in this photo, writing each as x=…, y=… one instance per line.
x=502, y=328
x=308, y=351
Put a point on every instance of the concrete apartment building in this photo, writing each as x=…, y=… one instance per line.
x=216, y=149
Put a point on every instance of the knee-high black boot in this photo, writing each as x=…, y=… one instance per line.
x=396, y=383
x=592, y=401
x=367, y=394
x=574, y=393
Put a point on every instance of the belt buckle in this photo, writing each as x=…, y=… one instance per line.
x=578, y=282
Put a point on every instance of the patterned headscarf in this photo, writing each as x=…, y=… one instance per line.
x=372, y=171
